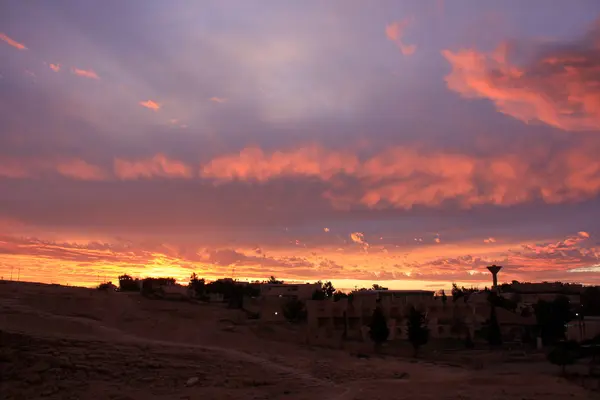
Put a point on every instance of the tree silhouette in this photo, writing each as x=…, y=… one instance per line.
x=494, y=335
x=565, y=353
x=274, y=281
x=128, y=284
x=318, y=295
x=325, y=291
x=197, y=285
x=444, y=297
x=339, y=295
x=418, y=332
x=379, y=330
x=378, y=287
x=462, y=292
x=328, y=288
x=294, y=310
x=551, y=319
x=590, y=301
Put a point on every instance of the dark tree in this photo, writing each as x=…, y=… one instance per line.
x=337, y=296
x=197, y=285
x=318, y=295
x=456, y=292
x=498, y=301
x=294, y=311
x=328, y=289
x=494, y=335
x=551, y=319
x=565, y=353
x=105, y=286
x=590, y=301
x=462, y=292
x=325, y=291
x=378, y=287
x=274, y=281
x=418, y=332
x=444, y=297
x=128, y=284
x=379, y=330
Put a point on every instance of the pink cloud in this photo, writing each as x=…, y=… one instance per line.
x=157, y=166
x=152, y=105
x=402, y=177
x=81, y=170
x=85, y=73
x=12, y=42
x=218, y=99
x=395, y=33
x=557, y=87
x=54, y=67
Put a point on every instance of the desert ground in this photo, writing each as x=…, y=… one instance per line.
x=61, y=342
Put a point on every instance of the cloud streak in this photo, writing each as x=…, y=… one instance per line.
x=158, y=166
x=85, y=73
x=12, y=42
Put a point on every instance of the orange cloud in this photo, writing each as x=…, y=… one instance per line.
x=12, y=42
x=558, y=87
x=85, y=73
x=395, y=33
x=152, y=105
x=218, y=99
x=157, y=166
x=81, y=170
x=489, y=240
x=54, y=67
x=403, y=177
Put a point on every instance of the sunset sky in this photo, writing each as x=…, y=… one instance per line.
x=406, y=143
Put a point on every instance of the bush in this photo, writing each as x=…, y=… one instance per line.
x=128, y=284
x=494, y=335
x=197, y=285
x=105, y=286
x=294, y=311
x=565, y=353
x=379, y=330
x=552, y=318
x=418, y=332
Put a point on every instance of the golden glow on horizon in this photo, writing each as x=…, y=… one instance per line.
x=407, y=266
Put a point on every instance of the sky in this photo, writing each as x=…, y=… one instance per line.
x=405, y=143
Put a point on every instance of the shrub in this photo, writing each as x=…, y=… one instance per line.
x=379, y=330
x=418, y=332
x=105, y=286
x=565, y=353
x=128, y=284
x=294, y=311
x=494, y=335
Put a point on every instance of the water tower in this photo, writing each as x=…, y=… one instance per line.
x=494, y=269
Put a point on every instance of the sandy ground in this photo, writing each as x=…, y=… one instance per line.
x=74, y=343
